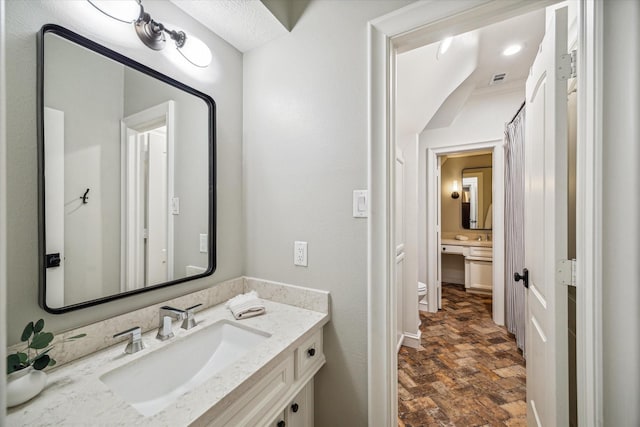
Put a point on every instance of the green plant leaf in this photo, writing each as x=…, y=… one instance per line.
x=23, y=357
x=76, y=337
x=52, y=362
x=41, y=340
x=13, y=363
x=38, y=326
x=28, y=330
x=41, y=362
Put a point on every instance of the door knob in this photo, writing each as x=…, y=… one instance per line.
x=524, y=277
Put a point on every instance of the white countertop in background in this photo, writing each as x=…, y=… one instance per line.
x=470, y=242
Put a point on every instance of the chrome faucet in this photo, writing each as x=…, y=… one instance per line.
x=190, y=318
x=135, y=343
x=167, y=314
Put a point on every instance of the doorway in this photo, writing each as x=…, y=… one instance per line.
x=148, y=202
x=388, y=35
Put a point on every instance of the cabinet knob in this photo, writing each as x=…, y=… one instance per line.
x=281, y=423
x=311, y=352
x=295, y=407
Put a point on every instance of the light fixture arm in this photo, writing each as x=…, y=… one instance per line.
x=152, y=34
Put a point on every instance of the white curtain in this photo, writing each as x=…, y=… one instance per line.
x=514, y=227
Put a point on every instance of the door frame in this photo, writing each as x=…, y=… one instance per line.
x=141, y=121
x=427, y=22
x=434, y=237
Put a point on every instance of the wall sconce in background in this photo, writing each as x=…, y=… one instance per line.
x=152, y=33
x=454, y=189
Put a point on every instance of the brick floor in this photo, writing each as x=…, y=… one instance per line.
x=468, y=371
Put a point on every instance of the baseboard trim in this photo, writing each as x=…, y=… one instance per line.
x=412, y=340
x=399, y=344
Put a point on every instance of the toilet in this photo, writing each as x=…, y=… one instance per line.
x=422, y=290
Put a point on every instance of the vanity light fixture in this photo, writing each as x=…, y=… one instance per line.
x=152, y=33
x=454, y=188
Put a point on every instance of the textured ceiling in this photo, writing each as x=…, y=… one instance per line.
x=245, y=24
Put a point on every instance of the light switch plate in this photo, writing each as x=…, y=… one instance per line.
x=300, y=253
x=360, y=203
x=175, y=205
x=204, y=243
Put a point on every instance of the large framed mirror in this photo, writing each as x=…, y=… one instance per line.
x=477, y=198
x=126, y=175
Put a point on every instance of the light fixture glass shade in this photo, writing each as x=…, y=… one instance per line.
x=454, y=187
x=195, y=51
x=122, y=10
x=445, y=45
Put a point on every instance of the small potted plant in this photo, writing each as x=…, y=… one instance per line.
x=25, y=378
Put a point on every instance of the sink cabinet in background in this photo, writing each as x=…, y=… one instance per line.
x=478, y=266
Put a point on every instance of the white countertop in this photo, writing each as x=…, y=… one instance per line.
x=75, y=396
x=470, y=242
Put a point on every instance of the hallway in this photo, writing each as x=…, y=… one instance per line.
x=468, y=372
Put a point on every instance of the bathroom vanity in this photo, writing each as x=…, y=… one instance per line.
x=264, y=378
x=478, y=262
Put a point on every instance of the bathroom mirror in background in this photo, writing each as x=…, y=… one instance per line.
x=126, y=175
x=477, y=203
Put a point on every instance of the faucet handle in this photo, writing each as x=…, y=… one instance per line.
x=135, y=343
x=190, y=319
x=180, y=313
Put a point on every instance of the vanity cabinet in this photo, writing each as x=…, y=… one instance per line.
x=478, y=265
x=283, y=397
x=299, y=412
x=479, y=270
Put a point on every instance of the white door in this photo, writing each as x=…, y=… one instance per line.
x=439, y=234
x=157, y=208
x=400, y=249
x=546, y=230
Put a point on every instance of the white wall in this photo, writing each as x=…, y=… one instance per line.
x=621, y=204
x=3, y=217
x=222, y=80
x=481, y=119
x=91, y=247
x=305, y=151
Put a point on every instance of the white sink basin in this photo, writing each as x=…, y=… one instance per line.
x=154, y=381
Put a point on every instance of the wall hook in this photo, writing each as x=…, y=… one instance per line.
x=85, y=197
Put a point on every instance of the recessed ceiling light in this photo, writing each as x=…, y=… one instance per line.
x=512, y=50
x=445, y=45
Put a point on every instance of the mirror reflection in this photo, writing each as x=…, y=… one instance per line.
x=127, y=176
x=477, y=203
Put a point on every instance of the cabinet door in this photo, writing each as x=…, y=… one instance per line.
x=480, y=275
x=300, y=411
x=279, y=421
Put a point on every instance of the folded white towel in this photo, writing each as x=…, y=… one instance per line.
x=246, y=305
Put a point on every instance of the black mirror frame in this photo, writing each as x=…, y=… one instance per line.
x=104, y=51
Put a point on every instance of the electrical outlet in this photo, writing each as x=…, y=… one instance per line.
x=300, y=253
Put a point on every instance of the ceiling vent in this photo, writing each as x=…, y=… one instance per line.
x=497, y=78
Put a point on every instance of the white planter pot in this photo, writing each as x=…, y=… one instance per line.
x=24, y=384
